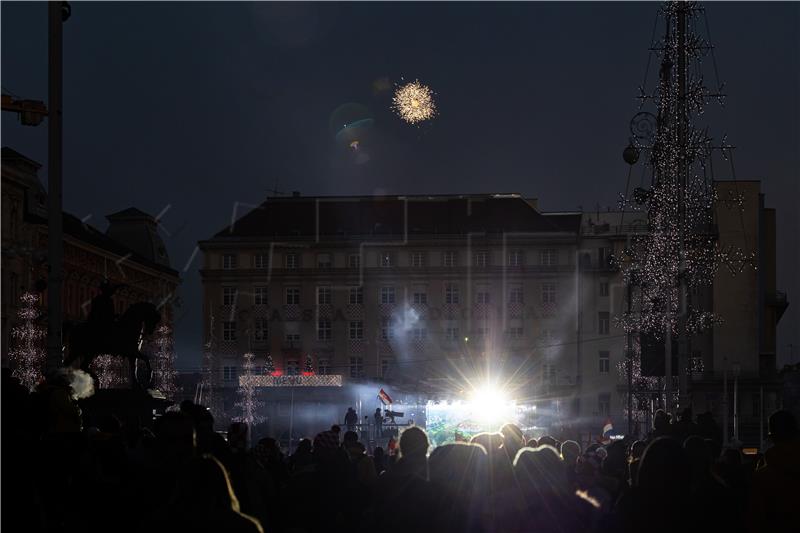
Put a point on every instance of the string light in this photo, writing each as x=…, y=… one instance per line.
x=248, y=402
x=110, y=371
x=164, y=371
x=28, y=354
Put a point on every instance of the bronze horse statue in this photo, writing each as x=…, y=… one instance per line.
x=121, y=337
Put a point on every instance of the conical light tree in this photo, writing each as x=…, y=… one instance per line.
x=248, y=401
x=110, y=371
x=28, y=354
x=164, y=374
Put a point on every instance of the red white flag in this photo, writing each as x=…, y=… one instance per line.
x=384, y=398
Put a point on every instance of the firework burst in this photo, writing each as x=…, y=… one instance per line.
x=413, y=102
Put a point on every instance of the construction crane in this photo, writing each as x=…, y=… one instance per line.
x=31, y=112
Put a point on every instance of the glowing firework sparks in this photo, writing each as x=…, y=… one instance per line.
x=414, y=103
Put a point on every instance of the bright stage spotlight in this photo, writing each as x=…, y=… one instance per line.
x=491, y=404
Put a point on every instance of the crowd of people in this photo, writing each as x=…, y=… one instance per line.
x=183, y=476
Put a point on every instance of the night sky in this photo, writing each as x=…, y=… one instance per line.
x=198, y=106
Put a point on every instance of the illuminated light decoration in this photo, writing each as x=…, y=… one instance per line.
x=248, y=402
x=308, y=369
x=28, y=354
x=413, y=102
x=277, y=380
x=164, y=374
x=110, y=371
x=490, y=404
x=208, y=392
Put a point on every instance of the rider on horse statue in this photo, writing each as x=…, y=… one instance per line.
x=102, y=315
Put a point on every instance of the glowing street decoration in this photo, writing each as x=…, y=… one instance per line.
x=330, y=380
x=413, y=102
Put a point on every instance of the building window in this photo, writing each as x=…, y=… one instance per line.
x=229, y=295
x=384, y=366
x=356, y=367
x=515, y=295
x=451, y=333
x=229, y=261
x=603, y=257
x=482, y=332
x=292, y=367
x=324, y=329
x=420, y=297
x=482, y=297
x=229, y=373
x=602, y=322
x=356, y=295
x=261, y=261
x=515, y=258
x=418, y=259
x=605, y=362
x=515, y=332
x=261, y=329
x=323, y=367
x=323, y=295
x=451, y=293
x=229, y=331
x=603, y=288
x=549, y=374
x=420, y=334
x=354, y=261
x=292, y=337
x=604, y=404
x=385, y=259
x=324, y=261
x=548, y=257
x=449, y=259
x=356, y=330
x=548, y=293
x=260, y=296
x=387, y=295
x=291, y=260
x=481, y=259
x=387, y=331
x=292, y=296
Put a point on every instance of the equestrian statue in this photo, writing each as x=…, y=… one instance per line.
x=105, y=333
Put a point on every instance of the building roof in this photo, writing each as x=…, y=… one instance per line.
x=380, y=216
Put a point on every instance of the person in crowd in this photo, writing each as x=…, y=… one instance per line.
x=549, y=502
x=378, y=418
x=379, y=458
x=513, y=440
x=634, y=460
x=458, y=476
x=773, y=498
x=502, y=495
x=301, y=458
x=202, y=500
x=350, y=419
x=570, y=452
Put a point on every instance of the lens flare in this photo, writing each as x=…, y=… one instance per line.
x=413, y=102
x=491, y=404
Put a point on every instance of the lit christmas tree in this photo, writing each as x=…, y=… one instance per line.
x=28, y=354
x=269, y=365
x=208, y=381
x=164, y=373
x=248, y=402
x=110, y=371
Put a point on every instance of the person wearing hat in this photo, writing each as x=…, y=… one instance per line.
x=773, y=498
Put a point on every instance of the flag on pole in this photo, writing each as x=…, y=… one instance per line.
x=384, y=398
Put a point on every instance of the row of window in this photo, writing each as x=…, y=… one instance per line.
x=388, y=295
x=388, y=329
x=387, y=259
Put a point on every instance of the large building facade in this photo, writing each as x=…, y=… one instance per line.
x=435, y=294
x=130, y=252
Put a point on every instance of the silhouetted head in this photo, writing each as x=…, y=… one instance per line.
x=336, y=429
x=637, y=449
x=204, y=486
x=547, y=440
x=782, y=426
x=459, y=467
x=304, y=446
x=570, y=451
x=491, y=442
x=513, y=439
x=413, y=443
x=539, y=471
x=664, y=467
x=349, y=437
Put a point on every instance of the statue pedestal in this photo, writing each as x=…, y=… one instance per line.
x=126, y=404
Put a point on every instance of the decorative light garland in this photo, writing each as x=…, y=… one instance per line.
x=248, y=402
x=28, y=354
